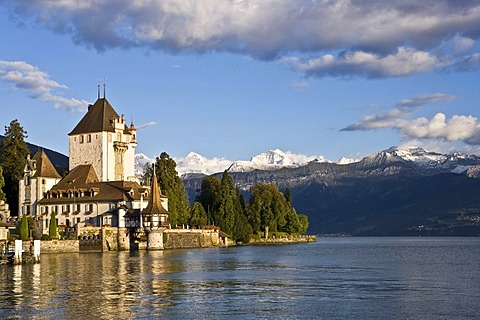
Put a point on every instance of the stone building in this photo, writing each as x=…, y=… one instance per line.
x=39, y=176
x=100, y=188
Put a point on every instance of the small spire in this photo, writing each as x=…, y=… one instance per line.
x=98, y=89
x=104, y=88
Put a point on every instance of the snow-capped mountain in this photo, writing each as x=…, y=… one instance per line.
x=274, y=159
x=196, y=163
x=427, y=162
x=140, y=161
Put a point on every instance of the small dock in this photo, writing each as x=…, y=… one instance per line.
x=21, y=252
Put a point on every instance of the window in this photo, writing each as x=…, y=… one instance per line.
x=119, y=136
x=78, y=208
x=89, y=138
x=78, y=220
x=43, y=181
x=81, y=138
x=90, y=207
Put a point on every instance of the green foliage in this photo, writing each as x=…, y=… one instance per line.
x=24, y=228
x=172, y=186
x=268, y=207
x=13, y=159
x=210, y=197
x=2, y=184
x=288, y=196
x=198, y=216
x=52, y=231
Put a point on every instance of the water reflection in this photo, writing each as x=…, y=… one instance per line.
x=334, y=279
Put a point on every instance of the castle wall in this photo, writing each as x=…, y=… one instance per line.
x=60, y=246
x=190, y=238
x=86, y=149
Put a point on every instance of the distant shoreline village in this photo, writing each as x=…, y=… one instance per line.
x=100, y=202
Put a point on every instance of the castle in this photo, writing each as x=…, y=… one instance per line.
x=100, y=195
x=100, y=189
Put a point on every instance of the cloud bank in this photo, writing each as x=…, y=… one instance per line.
x=458, y=128
x=38, y=85
x=337, y=38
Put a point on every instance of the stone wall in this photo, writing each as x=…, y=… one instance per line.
x=59, y=246
x=287, y=239
x=190, y=238
x=110, y=239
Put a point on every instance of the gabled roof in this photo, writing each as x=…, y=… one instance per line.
x=97, y=118
x=44, y=167
x=81, y=175
x=83, y=178
x=154, y=202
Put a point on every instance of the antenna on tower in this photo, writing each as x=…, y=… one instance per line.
x=104, y=87
x=98, y=88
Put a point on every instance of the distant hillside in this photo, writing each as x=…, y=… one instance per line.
x=390, y=193
x=60, y=161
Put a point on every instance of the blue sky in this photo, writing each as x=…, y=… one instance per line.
x=236, y=78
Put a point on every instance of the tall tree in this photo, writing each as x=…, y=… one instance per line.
x=288, y=196
x=172, y=186
x=210, y=197
x=198, y=216
x=24, y=228
x=2, y=184
x=52, y=230
x=13, y=160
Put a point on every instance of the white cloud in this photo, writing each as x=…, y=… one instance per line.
x=38, y=85
x=458, y=128
x=300, y=85
x=404, y=62
x=325, y=37
x=394, y=117
x=146, y=125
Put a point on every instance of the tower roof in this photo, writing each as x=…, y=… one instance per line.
x=154, y=202
x=44, y=166
x=97, y=119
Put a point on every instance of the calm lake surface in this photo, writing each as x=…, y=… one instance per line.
x=335, y=278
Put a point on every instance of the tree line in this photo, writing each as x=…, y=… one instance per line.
x=220, y=203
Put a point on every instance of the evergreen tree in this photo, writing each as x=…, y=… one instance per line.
x=227, y=208
x=13, y=160
x=2, y=184
x=198, y=216
x=172, y=186
x=210, y=198
x=52, y=231
x=288, y=196
x=267, y=207
x=303, y=220
x=24, y=228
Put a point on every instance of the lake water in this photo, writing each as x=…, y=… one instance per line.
x=335, y=278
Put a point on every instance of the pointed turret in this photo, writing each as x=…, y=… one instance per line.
x=44, y=167
x=155, y=215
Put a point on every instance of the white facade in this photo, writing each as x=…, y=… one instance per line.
x=110, y=153
x=32, y=189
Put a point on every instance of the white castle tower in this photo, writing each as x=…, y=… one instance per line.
x=103, y=139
